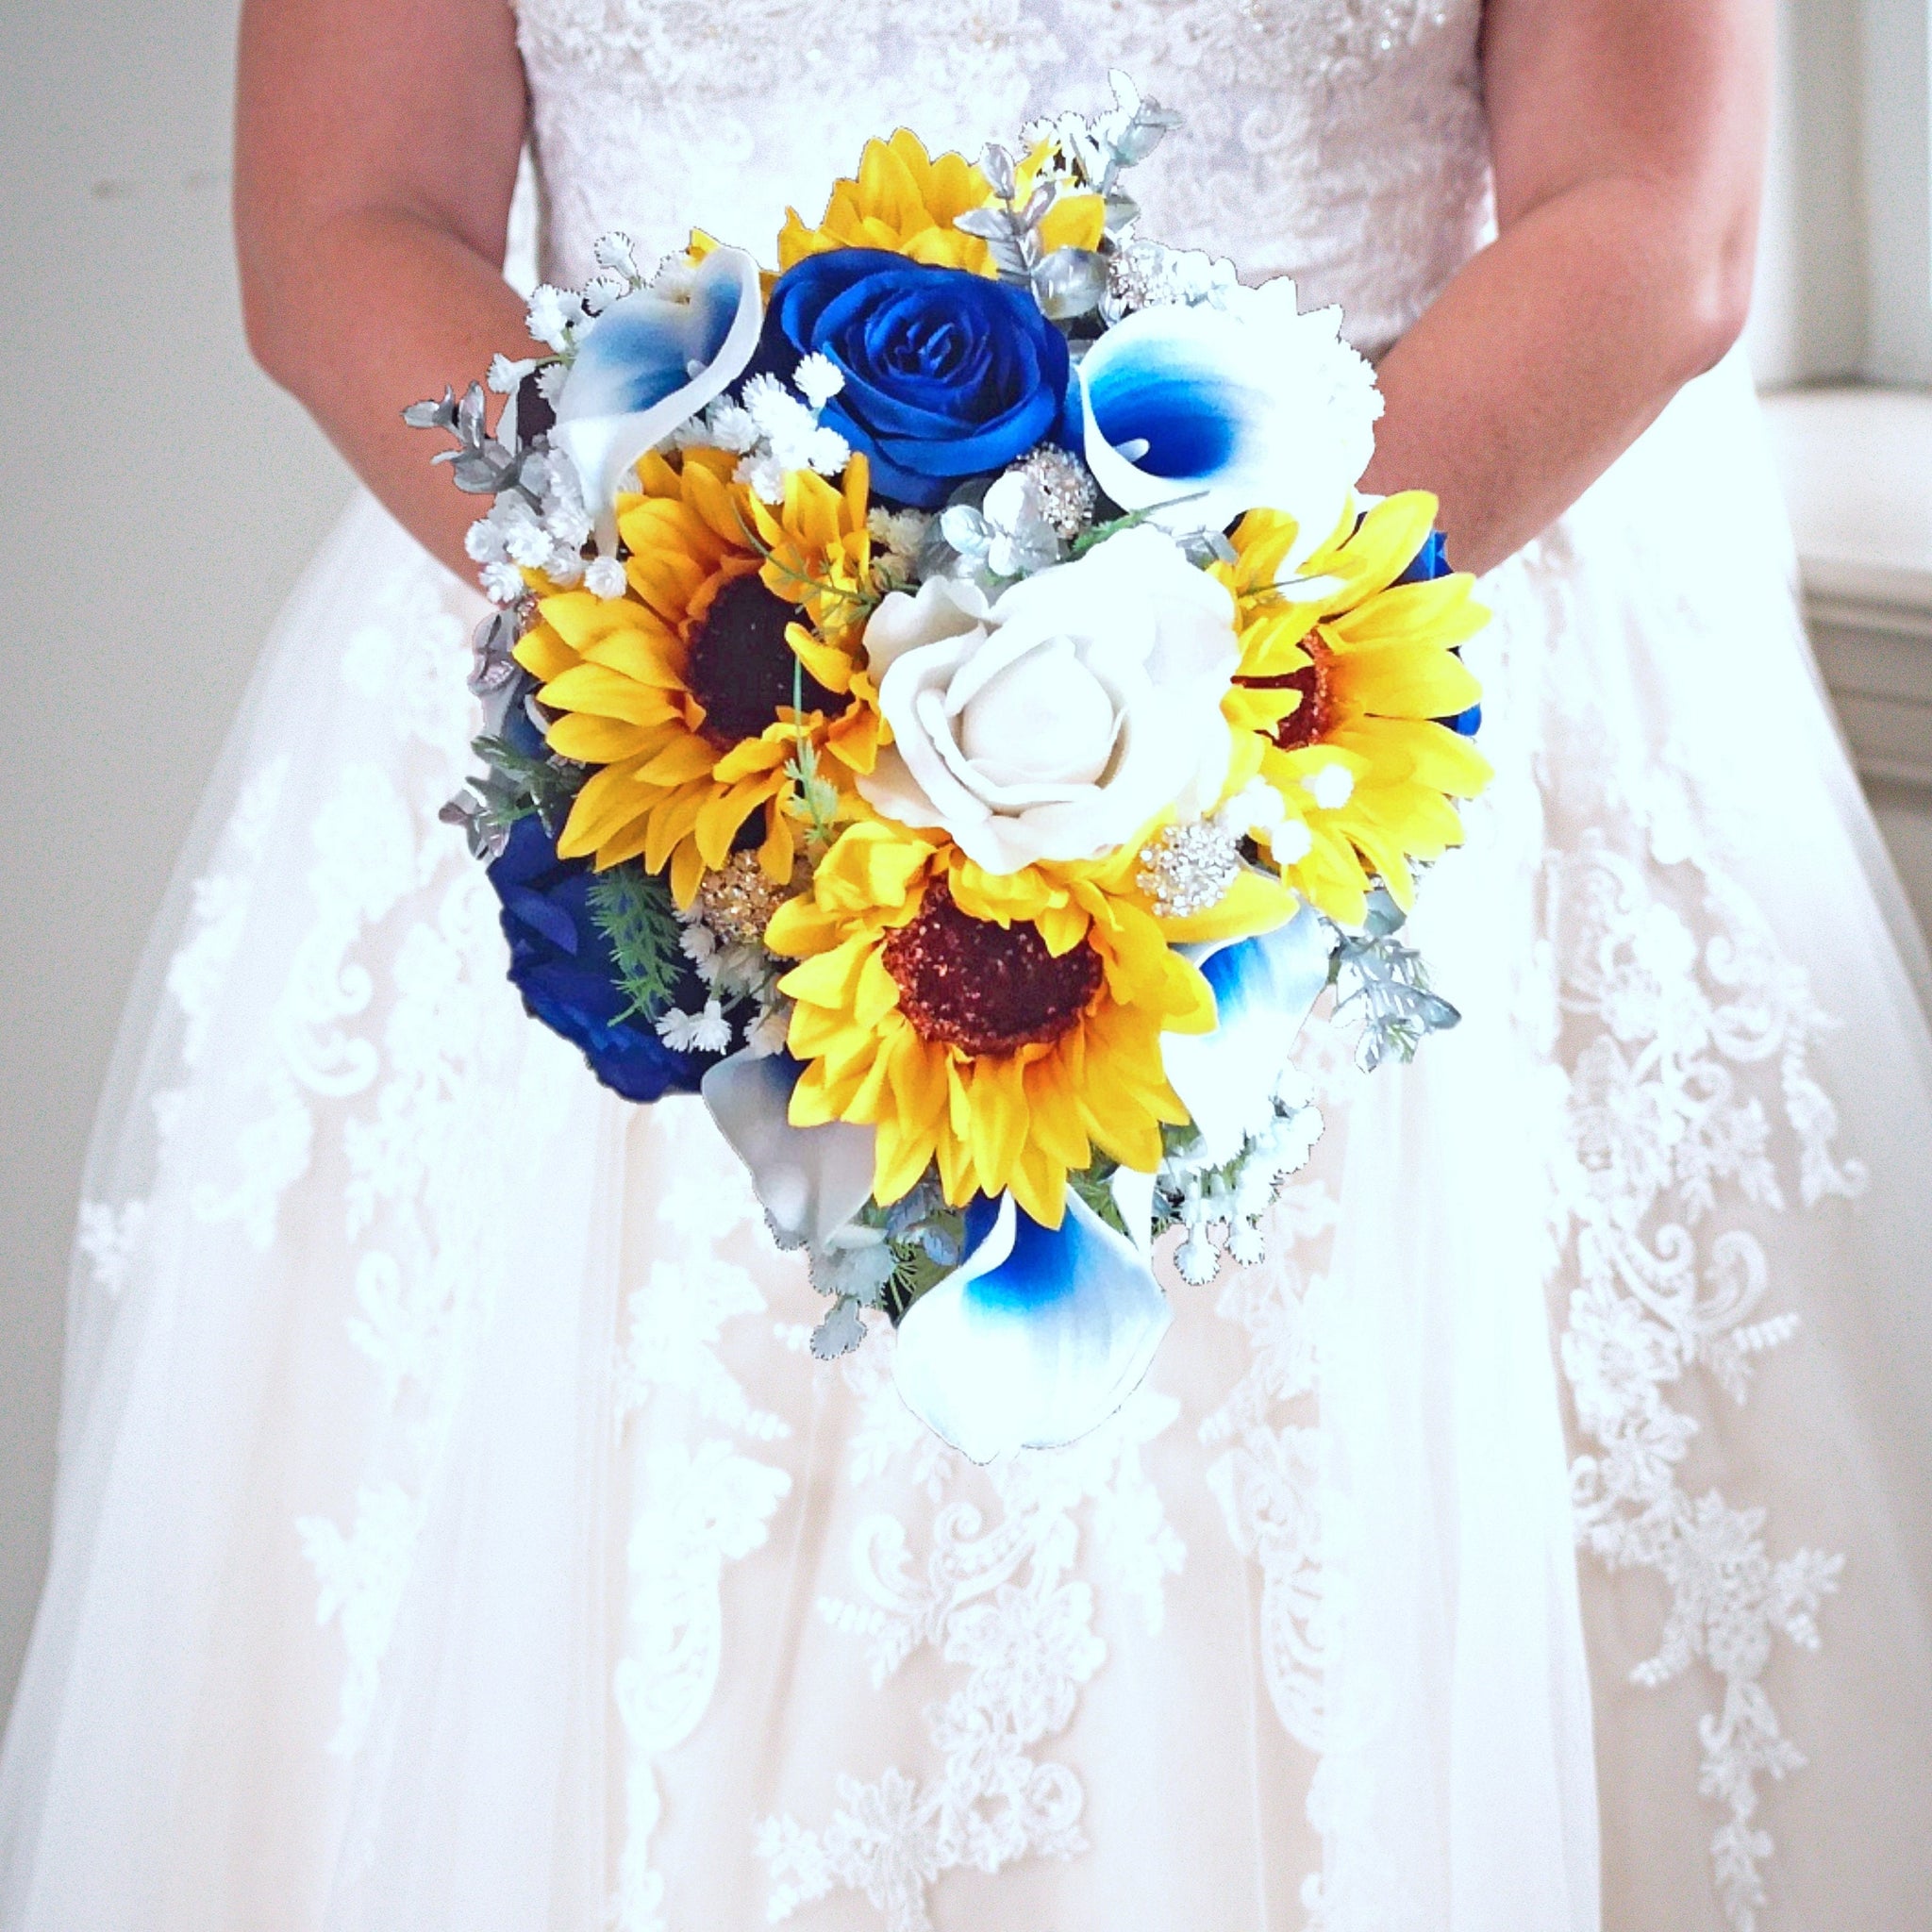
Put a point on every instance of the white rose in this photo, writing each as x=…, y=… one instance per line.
x=1055, y=722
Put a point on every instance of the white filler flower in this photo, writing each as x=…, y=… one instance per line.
x=1055, y=722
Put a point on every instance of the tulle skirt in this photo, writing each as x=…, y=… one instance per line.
x=454, y=1532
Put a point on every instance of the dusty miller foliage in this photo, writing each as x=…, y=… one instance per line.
x=513, y=784
x=480, y=465
x=1067, y=283
x=1383, y=987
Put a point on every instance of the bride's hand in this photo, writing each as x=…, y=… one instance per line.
x=1627, y=138
x=376, y=149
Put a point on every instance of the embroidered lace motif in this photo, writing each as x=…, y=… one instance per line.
x=413, y=1125
x=1286, y=1513
x=1338, y=141
x=1664, y=1140
x=110, y=1235
x=1001, y=1600
x=702, y=1503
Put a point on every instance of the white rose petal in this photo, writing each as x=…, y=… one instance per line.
x=1054, y=724
x=1045, y=719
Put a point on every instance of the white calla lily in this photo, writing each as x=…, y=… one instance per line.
x=811, y=1181
x=1197, y=413
x=1057, y=720
x=650, y=362
x=1037, y=1337
x=1264, y=989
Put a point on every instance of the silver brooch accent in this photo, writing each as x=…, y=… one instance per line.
x=1068, y=494
x=1187, y=868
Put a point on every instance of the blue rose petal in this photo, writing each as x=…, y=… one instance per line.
x=562, y=964
x=1035, y=1338
x=947, y=374
x=1430, y=562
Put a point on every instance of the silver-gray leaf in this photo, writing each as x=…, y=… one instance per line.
x=1069, y=282
x=989, y=223
x=840, y=1333
x=433, y=414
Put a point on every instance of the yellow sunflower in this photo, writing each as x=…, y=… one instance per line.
x=1003, y=1026
x=682, y=690
x=905, y=201
x=1336, y=697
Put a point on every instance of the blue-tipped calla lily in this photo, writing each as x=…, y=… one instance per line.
x=647, y=364
x=1196, y=414
x=811, y=1181
x=1264, y=989
x=1037, y=1337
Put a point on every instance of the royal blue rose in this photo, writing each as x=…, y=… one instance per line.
x=1432, y=562
x=561, y=963
x=947, y=374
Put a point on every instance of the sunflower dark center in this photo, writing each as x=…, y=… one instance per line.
x=983, y=987
x=1312, y=718
x=739, y=667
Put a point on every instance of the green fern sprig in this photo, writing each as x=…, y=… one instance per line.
x=633, y=909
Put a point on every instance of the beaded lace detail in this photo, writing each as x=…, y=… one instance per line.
x=700, y=1503
x=1337, y=141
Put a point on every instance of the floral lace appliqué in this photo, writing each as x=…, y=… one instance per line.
x=998, y=1598
x=701, y=1501
x=402, y=1054
x=1667, y=1141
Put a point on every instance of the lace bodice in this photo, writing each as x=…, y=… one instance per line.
x=1341, y=141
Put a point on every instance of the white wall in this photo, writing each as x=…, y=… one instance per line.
x=158, y=498
x=1898, y=189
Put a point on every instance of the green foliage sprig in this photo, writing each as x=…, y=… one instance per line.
x=633, y=909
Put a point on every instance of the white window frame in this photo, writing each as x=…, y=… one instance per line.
x=1898, y=189
x=1845, y=269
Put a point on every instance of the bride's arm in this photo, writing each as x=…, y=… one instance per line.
x=1628, y=138
x=376, y=145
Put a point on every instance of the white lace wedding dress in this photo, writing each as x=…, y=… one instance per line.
x=454, y=1536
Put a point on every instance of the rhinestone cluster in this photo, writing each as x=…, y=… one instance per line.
x=736, y=901
x=1067, y=496
x=1137, y=277
x=1188, y=868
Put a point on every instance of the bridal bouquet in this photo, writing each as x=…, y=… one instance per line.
x=950, y=708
